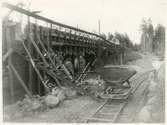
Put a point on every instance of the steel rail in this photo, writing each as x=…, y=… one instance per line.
x=125, y=103
x=117, y=113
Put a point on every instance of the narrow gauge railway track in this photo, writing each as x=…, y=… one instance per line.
x=110, y=110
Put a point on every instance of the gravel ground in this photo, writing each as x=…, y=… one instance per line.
x=73, y=111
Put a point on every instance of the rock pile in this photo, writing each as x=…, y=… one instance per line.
x=31, y=106
x=94, y=86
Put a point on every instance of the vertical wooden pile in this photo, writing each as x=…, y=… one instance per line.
x=14, y=65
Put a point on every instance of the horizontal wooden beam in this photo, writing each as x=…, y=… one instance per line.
x=71, y=44
x=20, y=80
x=26, y=12
x=99, y=119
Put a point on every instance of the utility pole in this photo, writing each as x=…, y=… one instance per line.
x=99, y=26
x=99, y=45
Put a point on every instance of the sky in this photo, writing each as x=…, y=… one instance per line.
x=123, y=16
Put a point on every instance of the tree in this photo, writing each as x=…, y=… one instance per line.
x=143, y=26
x=110, y=36
x=119, y=37
x=124, y=39
x=136, y=47
x=150, y=29
x=159, y=39
x=147, y=35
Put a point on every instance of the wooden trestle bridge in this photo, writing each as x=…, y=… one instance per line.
x=53, y=52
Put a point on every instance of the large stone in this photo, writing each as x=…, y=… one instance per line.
x=61, y=95
x=51, y=101
x=36, y=105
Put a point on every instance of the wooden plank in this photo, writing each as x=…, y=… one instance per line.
x=43, y=47
x=110, y=114
x=54, y=43
x=100, y=119
x=50, y=38
x=37, y=56
x=8, y=40
x=34, y=66
x=119, y=111
x=20, y=80
x=11, y=85
x=38, y=51
x=82, y=74
x=7, y=54
x=93, y=63
x=30, y=69
x=51, y=60
x=110, y=106
x=100, y=107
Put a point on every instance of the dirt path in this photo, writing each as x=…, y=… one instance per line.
x=74, y=110
x=147, y=105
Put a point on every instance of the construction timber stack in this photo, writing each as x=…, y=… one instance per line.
x=43, y=53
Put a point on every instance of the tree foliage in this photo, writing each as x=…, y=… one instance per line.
x=159, y=38
x=155, y=37
x=124, y=39
x=110, y=36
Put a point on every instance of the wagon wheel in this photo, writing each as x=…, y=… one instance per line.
x=76, y=65
x=69, y=65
